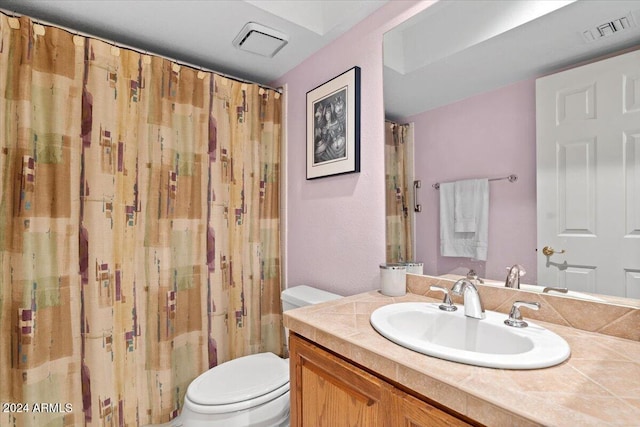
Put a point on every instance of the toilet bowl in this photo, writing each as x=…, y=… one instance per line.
x=250, y=391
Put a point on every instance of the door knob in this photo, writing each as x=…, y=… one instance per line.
x=548, y=251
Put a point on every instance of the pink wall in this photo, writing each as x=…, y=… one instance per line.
x=335, y=226
x=488, y=135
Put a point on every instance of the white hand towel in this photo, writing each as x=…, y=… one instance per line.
x=465, y=204
x=464, y=244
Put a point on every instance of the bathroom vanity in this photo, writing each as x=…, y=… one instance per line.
x=326, y=384
x=344, y=373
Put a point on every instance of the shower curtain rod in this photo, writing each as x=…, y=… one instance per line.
x=135, y=49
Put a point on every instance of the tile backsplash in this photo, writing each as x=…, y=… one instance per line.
x=604, y=318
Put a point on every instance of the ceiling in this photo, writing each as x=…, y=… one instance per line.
x=201, y=32
x=457, y=49
x=452, y=50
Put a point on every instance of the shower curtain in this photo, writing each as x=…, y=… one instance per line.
x=399, y=225
x=139, y=228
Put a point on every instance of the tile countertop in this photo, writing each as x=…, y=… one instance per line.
x=598, y=385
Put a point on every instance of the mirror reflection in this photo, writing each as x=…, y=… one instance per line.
x=468, y=90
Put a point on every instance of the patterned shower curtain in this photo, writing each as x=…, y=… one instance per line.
x=398, y=200
x=139, y=228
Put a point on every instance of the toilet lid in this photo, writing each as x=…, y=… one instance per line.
x=240, y=379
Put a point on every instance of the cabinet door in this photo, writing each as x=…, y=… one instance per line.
x=414, y=412
x=327, y=391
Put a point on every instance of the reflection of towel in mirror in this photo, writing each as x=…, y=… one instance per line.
x=466, y=203
x=467, y=244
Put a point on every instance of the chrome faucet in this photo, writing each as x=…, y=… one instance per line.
x=513, y=278
x=472, y=303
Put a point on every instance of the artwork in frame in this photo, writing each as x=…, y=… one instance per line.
x=333, y=126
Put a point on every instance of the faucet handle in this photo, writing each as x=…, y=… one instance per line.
x=515, y=317
x=446, y=305
x=548, y=289
x=472, y=275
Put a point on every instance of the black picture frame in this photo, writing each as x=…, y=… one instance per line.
x=333, y=126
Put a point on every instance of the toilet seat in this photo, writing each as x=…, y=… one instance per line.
x=239, y=384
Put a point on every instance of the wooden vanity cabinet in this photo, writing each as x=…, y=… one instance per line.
x=327, y=390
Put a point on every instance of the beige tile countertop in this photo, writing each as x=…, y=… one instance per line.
x=599, y=385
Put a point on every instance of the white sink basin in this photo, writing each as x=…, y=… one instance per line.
x=424, y=328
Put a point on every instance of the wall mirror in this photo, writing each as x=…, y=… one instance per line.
x=454, y=51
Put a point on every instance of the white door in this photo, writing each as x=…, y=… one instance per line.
x=588, y=153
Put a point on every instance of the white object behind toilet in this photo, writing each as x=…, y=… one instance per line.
x=303, y=295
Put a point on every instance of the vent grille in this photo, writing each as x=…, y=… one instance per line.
x=261, y=40
x=609, y=28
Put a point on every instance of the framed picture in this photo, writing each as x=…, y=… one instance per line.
x=333, y=126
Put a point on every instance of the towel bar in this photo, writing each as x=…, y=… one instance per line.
x=417, y=207
x=511, y=178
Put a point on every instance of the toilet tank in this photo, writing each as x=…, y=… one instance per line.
x=300, y=296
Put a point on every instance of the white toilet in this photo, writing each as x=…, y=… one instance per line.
x=248, y=391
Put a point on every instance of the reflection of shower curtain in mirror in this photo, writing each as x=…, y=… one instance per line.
x=139, y=240
x=397, y=184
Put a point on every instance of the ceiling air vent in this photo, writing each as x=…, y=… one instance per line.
x=257, y=38
x=609, y=28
